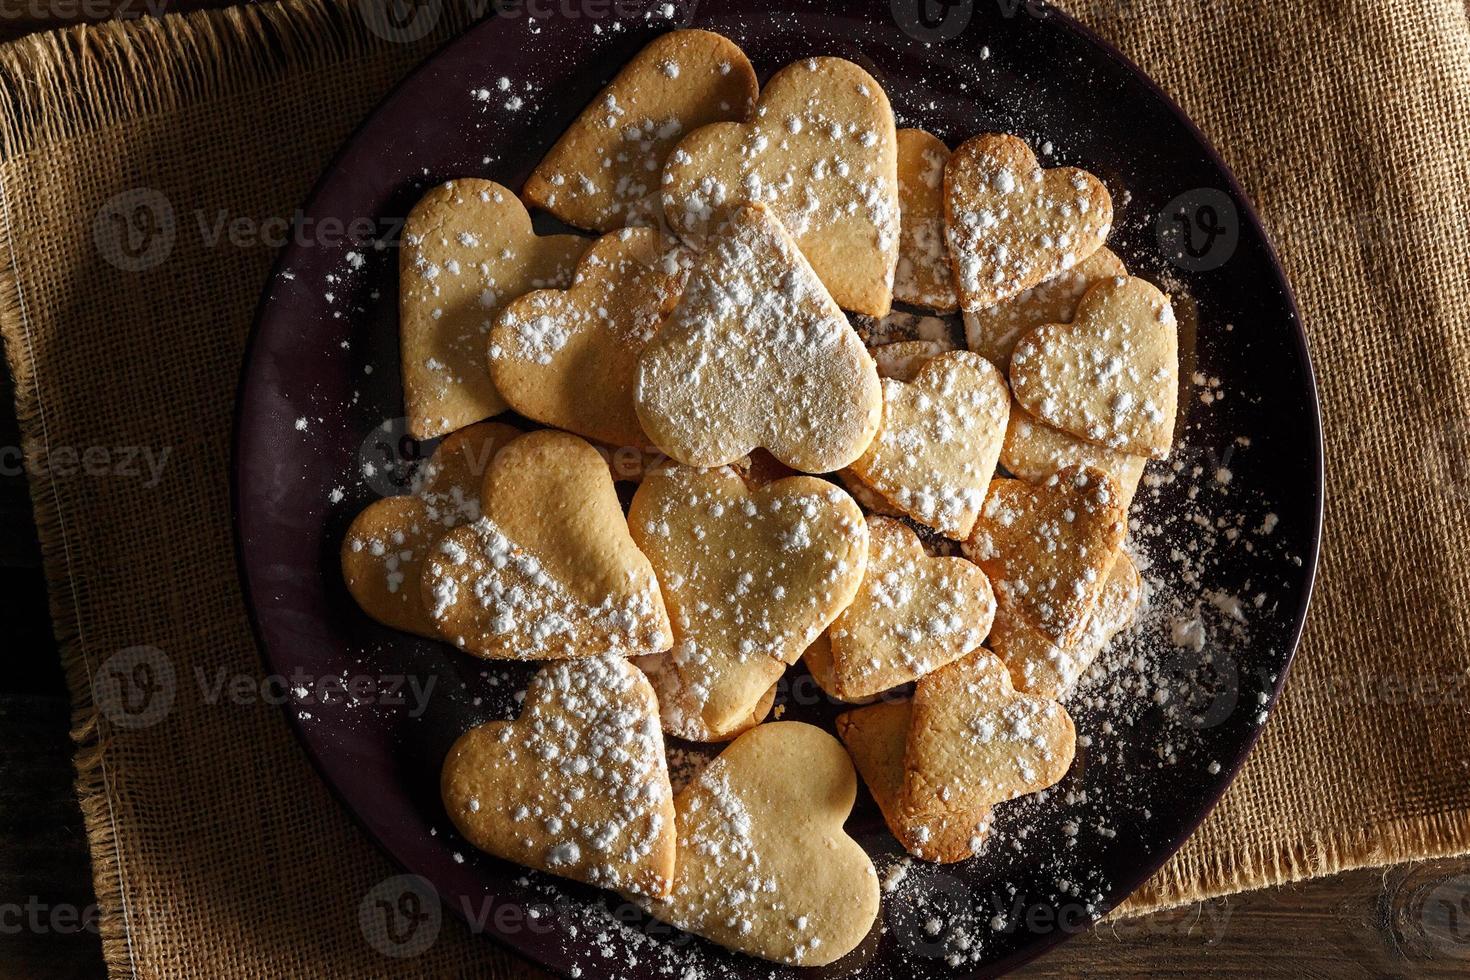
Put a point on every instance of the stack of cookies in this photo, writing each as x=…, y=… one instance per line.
x=938, y=532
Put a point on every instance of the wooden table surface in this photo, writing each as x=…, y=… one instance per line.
x=1408, y=920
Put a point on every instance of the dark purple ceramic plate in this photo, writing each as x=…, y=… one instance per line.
x=1229, y=529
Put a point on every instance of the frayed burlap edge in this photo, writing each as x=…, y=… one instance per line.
x=87, y=726
x=1188, y=878
x=57, y=85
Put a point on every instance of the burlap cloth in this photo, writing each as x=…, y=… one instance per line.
x=217, y=850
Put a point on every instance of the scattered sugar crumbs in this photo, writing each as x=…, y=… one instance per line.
x=1145, y=708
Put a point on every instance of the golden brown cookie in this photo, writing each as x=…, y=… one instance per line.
x=1039, y=666
x=577, y=785
x=468, y=249
x=630, y=464
x=680, y=708
x=901, y=325
x=386, y=545
x=569, y=358
x=821, y=152
x=901, y=361
x=604, y=171
x=1010, y=224
x=994, y=330
x=760, y=468
x=974, y=742
x=1048, y=548
x=877, y=737
x=764, y=866
x=548, y=571
x=870, y=500
x=937, y=447
x=1034, y=451
x=923, y=276
x=818, y=661
x=756, y=354
x=1111, y=376
x=751, y=577
x=911, y=615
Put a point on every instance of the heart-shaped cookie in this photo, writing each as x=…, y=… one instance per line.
x=818, y=661
x=761, y=468
x=468, y=249
x=923, y=276
x=901, y=325
x=1034, y=451
x=937, y=447
x=577, y=785
x=680, y=705
x=1048, y=547
x=1039, y=666
x=631, y=465
x=995, y=330
x=756, y=354
x=386, y=545
x=750, y=578
x=604, y=171
x=1111, y=376
x=763, y=865
x=1010, y=224
x=901, y=360
x=974, y=742
x=548, y=571
x=912, y=614
x=821, y=152
x=569, y=358
x=870, y=500
x=877, y=738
